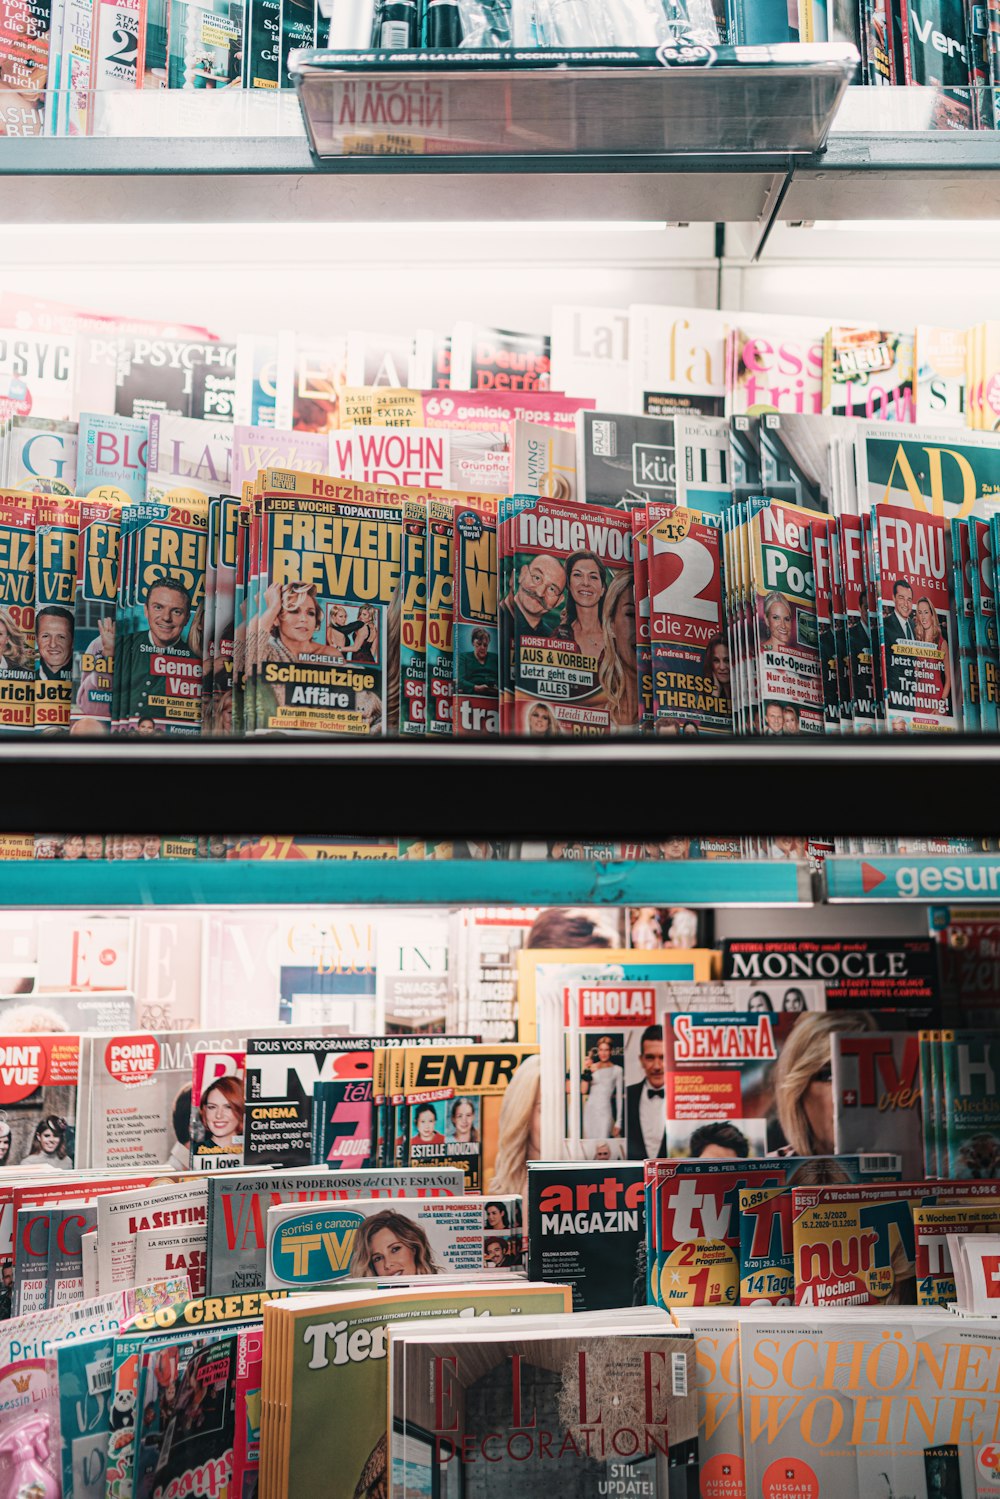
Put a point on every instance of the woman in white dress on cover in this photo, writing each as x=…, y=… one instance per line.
x=603, y=1089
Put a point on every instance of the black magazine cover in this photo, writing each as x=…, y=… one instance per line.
x=587, y=1229
x=625, y=461
x=178, y=376
x=888, y=972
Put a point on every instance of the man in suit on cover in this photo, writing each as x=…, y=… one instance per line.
x=898, y=626
x=645, y=1110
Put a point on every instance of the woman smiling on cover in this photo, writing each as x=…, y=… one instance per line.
x=389, y=1244
x=583, y=611
x=616, y=671
x=778, y=614
x=928, y=630
x=290, y=621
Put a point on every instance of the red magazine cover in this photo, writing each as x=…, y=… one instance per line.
x=916, y=623
x=690, y=653
x=567, y=623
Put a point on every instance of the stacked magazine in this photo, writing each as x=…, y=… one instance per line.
x=656, y=532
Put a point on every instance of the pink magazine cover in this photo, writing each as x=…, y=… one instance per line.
x=256, y=448
x=478, y=422
x=774, y=363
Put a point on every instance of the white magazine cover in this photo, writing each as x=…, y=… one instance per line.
x=160, y=1253
x=109, y=1012
x=91, y=952
x=140, y=1096
x=590, y=354
x=123, y=1216
x=38, y=373
x=167, y=970
x=895, y=1435
x=601, y=1042
x=675, y=352
x=185, y=452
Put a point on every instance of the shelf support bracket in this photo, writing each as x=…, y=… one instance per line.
x=772, y=207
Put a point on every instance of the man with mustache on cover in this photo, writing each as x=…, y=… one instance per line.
x=538, y=588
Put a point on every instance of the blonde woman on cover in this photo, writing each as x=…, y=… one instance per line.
x=541, y=722
x=389, y=1244
x=803, y=1079
x=928, y=630
x=290, y=620
x=520, y=1129
x=616, y=668
x=13, y=649
x=778, y=616
x=364, y=643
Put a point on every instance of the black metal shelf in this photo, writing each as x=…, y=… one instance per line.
x=614, y=789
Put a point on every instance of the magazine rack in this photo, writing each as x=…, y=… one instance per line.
x=682, y=100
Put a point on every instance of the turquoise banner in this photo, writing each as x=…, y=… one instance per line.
x=927, y=878
x=471, y=882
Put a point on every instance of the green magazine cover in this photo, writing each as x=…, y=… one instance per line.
x=335, y=1361
x=971, y=1105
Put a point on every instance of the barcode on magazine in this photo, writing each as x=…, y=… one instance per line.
x=99, y=1376
x=679, y=1373
x=603, y=439
x=870, y=1164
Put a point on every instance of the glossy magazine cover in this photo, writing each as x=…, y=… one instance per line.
x=916, y=622
x=566, y=619
x=324, y=610
x=690, y=655
x=307, y=1373
x=238, y=1207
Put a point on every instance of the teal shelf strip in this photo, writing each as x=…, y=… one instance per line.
x=240, y=882
x=916, y=879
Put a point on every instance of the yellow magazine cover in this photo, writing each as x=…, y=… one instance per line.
x=57, y=529
x=17, y=612
x=326, y=605
x=692, y=965
x=935, y=1272
x=477, y=1107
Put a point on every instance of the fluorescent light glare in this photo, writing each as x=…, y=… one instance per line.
x=907, y=226
x=441, y=228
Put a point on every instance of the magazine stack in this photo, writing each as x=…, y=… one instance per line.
x=716, y=1216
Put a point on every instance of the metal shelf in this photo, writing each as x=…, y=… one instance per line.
x=618, y=789
x=243, y=158
x=250, y=180
x=928, y=175
x=237, y=882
